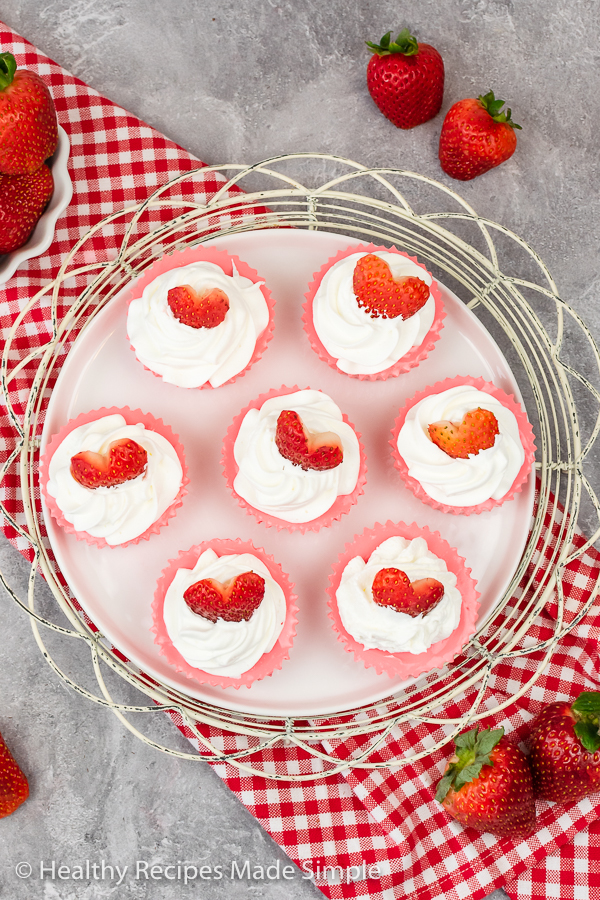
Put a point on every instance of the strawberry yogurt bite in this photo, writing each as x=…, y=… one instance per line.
x=401, y=599
x=112, y=481
x=466, y=448
x=194, y=325
x=225, y=613
x=294, y=460
x=373, y=314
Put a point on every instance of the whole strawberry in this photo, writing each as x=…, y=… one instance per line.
x=565, y=749
x=476, y=137
x=405, y=79
x=487, y=785
x=14, y=788
x=23, y=199
x=28, y=126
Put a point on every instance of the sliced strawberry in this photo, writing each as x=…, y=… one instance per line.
x=124, y=460
x=380, y=294
x=204, y=310
x=392, y=587
x=233, y=601
x=476, y=432
x=305, y=448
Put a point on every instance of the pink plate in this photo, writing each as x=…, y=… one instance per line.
x=320, y=677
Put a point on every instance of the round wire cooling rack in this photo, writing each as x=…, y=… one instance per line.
x=549, y=348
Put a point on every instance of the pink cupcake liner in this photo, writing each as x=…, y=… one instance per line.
x=225, y=261
x=408, y=665
x=525, y=433
x=342, y=505
x=414, y=356
x=269, y=662
x=132, y=417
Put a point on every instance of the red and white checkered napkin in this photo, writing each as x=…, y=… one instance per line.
x=386, y=818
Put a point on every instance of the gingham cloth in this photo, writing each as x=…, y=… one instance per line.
x=345, y=825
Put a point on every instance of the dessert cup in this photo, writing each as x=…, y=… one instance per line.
x=270, y=661
x=525, y=432
x=131, y=417
x=343, y=502
x=407, y=664
x=161, y=343
x=413, y=355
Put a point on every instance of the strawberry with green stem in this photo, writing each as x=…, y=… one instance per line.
x=28, y=126
x=487, y=785
x=476, y=137
x=405, y=79
x=565, y=749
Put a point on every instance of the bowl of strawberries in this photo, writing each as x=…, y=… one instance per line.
x=35, y=186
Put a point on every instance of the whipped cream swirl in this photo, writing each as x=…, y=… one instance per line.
x=362, y=345
x=190, y=357
x=124, y=511
x=273, y=484
x=223, y=648
x=461, y=482
x=383, y=628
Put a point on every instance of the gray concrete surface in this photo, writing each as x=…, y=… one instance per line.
x=239, y=82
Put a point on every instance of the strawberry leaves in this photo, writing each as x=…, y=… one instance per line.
x=405, y=43
x=472, y=749
x=587, y=712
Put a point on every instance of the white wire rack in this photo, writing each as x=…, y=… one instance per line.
x=501, y=279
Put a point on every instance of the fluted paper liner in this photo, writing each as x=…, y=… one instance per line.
x=525, y=433
x=410, y=359
x=408, y=665
x=132, y=417
x=225, y=261
x=269, y=662
x=342, y=505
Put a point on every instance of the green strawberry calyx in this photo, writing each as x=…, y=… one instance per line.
x=493, y=107
x=586, y=712
x=472, y=749
x=405, y=43
x=8, y=67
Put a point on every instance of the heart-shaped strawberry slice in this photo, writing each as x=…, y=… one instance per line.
x=305, y=448
x=124, y=460
x=476, y=432
x=198, y=310
x=381, y=295
x=392, y=587
x=233, y=601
